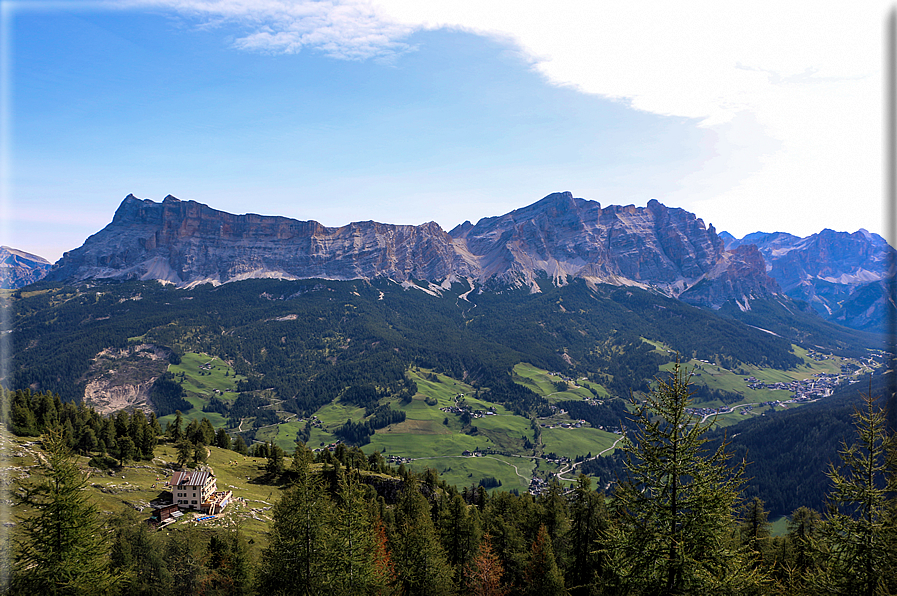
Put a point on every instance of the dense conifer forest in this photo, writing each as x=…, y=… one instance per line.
x=308, y=341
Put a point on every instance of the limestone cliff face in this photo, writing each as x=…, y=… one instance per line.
x=186, y=243
x=740, y=275
x=829, y=256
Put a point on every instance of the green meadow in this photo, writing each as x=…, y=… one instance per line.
x=512, y=472
x=573, y=442
x=543, y=383
x=201, y=385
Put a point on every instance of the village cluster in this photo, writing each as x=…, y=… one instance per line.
x=461, y=408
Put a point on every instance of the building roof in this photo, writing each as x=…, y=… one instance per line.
x=191, y=478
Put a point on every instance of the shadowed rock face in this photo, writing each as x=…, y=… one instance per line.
x=185, y=243
x=740, y=274
x=833, y=257
x=18, y=268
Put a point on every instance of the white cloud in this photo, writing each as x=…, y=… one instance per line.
x=796, y=85
x=806, y=75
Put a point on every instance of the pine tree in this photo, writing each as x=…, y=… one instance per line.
x=677, y=506
x=222, y=439
x=275, y=464
x=184, y=450
x=421, y=566
x=125, y=449
x=588, y=521
x=175, y=429
x=543, y=578
x=858, y=535
x=63, y=549
x=460, y=532
x=240, y=446
x=353, y=546
x=229, y=564
x=137, y=557
x=185, y=556
x=295, y=561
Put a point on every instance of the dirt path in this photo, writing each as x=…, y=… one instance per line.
x=516, y=471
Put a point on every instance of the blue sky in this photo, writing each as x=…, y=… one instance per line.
x=410, y=112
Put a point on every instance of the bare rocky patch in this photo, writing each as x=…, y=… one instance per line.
x=122, y=379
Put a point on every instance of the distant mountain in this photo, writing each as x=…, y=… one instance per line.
x=653, y=247
x=845, y=277
x=19, y=268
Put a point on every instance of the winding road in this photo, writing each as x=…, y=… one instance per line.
x=571, y=466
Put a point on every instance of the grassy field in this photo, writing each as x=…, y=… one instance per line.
x=543, y=383
x=572, y=442
x=133, y=486
x=779, y=526
x=466, y=471
x=428, y=432
x=201, y=385
x=414, y=446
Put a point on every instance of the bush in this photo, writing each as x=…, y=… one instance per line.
x=103, y=462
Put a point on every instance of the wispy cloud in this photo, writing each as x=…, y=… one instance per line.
x=348, y=30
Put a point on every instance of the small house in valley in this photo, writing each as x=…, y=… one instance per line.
x=196, y=489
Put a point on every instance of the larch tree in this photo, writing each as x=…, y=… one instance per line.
x=543, y=578
x=486, y=572
x=63, y=549
x=755, y=530
x=677, y=506
x=802, y=529
x=859, y=536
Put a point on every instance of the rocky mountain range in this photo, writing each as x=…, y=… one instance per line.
x=847, y=278
x=187, y=243
x=19, y=268
x=558, y=238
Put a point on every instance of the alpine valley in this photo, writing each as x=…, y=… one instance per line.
x=508, y=350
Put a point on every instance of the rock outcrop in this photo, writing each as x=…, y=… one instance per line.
x=561, y=236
